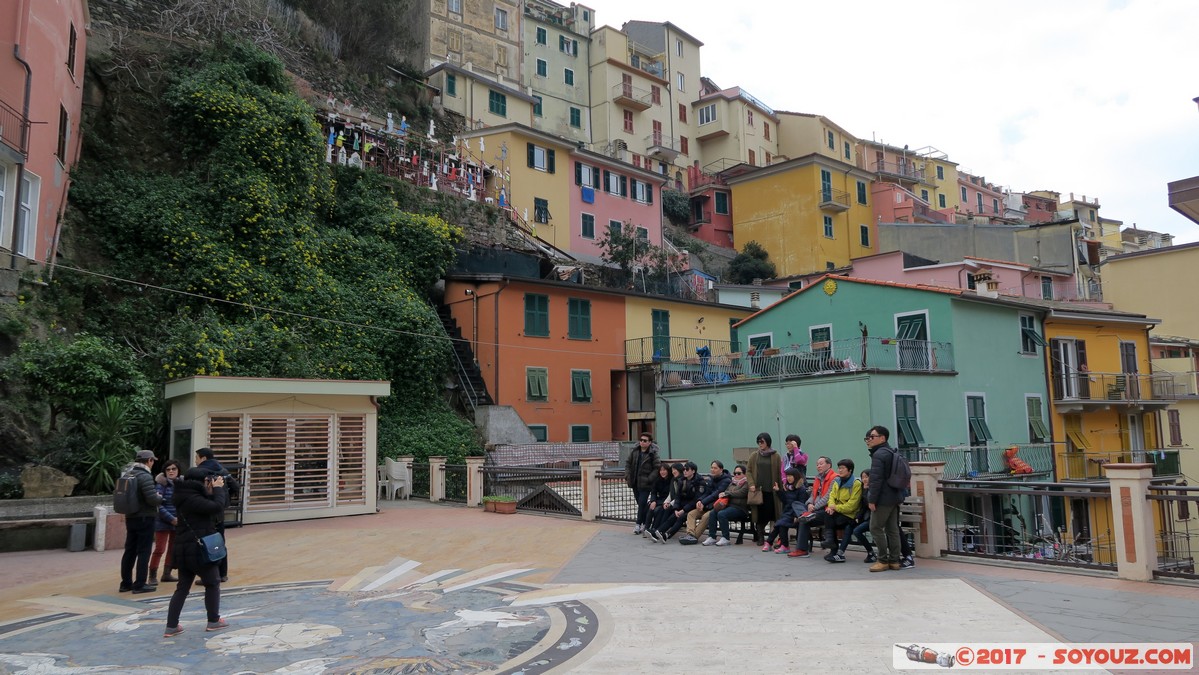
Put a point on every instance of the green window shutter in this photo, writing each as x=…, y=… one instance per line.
x=595, y=177
x=532, y=156
x=607, y=179
x=537, y=315
x=579, y=319
x=536, y=384
x=588, y=231
x=624, y=186
x=649, y=193
x=549, y=160
x=580, y=433
x=578, y=173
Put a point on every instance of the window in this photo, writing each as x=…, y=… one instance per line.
x=588, y=226
x=976, y=413
x=965, y=197
x=722, y=203
x=540, y=158
x=707, y=114
x=586, y=16
x=749, y=119
x=540, y=432
x=924, y=195
x=543, y=67
x=71, y=50
x=454, y=41
x=734, y=342
x=542, y=35
x=1175, y=427
x=541, y=210
x=979, y=195
x=766, y=131
x=683, y=145
x=537, y=109
x=616, y=184
x=941, y=200
x=683, y=112
x=1047, y=288
x=568, y=76
x=615, y=227
x=864, y=235
x=1068, y=366
x=580, y=433
x=682, y=81
x=64, y=130
x=637, y=160
x=26, y=225
x=752, y=159
x=580, y=386
x=578, y=324
x=642, y=234
x=643, y=192
x=568, y=46
x=501, y=19
x=455, y=6
x=910, y=435
x=1030, y=339
x=861, y=192
x=832, y=141
x=994, y=205
x=628, y=121
x=655, y=94
x=828, y=226
x=501, y=55
x=1037, y=431
x=940, y=172
x=1077, y=439
x=497, y=103
x=678, y=47
x=537, y=315
x=536, y=384
x=848, y=151
x=451, y=84
x=576, y=117
x=1092, y=211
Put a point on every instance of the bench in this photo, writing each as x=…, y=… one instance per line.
x=45, y=522
x=911, y=518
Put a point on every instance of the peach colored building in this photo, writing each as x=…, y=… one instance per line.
x=711, y=205
x=42, y=45
x=1008, y=278
x=980, y=198
x=610, y=193
x=894, y=203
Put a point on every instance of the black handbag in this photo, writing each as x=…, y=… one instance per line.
x=212, y=548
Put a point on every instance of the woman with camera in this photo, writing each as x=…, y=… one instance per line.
x=200, y=499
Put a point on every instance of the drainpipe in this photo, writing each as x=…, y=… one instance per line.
x=669, y=427
x=22, y=13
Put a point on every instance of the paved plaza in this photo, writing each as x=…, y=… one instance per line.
x=422, y=588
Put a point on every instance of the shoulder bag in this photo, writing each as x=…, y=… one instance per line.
x=755, y=497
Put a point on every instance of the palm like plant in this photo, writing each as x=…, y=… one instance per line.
x=110, y=449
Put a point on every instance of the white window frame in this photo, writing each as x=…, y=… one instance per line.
x=711, y=116
x=454, y=6
x=501, y=19
x=540, y=158
x=581, y=234
x=641, y=191
x=568, y=77
x=829, y=326
x=613, y=186
x=682, y=81
x=544, y=428
x=678, y=47
x=26, y=222
x=587, y=174
x=541, y=68
x=4, y=207
x=541, y=36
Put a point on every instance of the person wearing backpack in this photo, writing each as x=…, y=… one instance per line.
x=139, y=525
x=883, y=500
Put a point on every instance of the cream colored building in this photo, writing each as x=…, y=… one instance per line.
x=734, y=128
x=479, y=99
x=643, y=80
x=802, y=134
x=482, y=33
x=556, y=68
x=308, y=447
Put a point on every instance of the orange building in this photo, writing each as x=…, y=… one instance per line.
x=552, y=351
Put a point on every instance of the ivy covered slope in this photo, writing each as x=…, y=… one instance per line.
x=279, y=265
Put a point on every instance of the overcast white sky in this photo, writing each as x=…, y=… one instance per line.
x=1090, y=97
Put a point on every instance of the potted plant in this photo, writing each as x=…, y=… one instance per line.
x=500, y=503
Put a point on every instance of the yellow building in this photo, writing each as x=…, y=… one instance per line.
x=735, y=128
x=810, y=213
x=661, y=328
x=481, y=100
x=802, y=134
x=533, y=177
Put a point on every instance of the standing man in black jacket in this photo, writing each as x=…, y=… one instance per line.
x=640, y=472
x=883, y=500
x=206, y=459
x=139, y=527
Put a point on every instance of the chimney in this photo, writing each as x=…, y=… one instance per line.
x=755, y=299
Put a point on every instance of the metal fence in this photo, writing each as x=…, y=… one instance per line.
x=1178, y=541
x=1041, y=523
x=455, y=483
x=617, y=501
x=558, y=455
x=557, y=491
x=989, y=462
x=420, y=479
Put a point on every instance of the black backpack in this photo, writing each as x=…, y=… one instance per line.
x=126, y=497
x=900, y=477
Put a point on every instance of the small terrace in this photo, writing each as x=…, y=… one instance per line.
x=634, y=98
x=662, y=147
x=690, y=362
x=14, y=129
x=905, y=171
x=1028, y=461
x=834, y=200
x=1088, y=465
x=1079, y=391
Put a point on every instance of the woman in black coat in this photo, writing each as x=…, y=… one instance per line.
x=200, y=499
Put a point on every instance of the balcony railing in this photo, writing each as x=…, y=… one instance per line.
x=989, y=462
x=900, y=169
x=1089, y=465
x=926, y=212
x=1181, y=385
x=1075, y=386
x=14, y=129
x=631, y=97
x=697, y=368
x=662, y=349
x=661, y=145
x=834, y=200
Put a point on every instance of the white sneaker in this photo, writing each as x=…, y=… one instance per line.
x=637, y=530
x=722, y=542
x=709, y=541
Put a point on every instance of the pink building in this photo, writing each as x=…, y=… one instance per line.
x=711, y=207
x=893, y=203
x=1008, y=278
x=609, y=193
x=1040, y=206
x=42, y=45
x=979, y=197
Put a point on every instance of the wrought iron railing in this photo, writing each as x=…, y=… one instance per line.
x=1177, y=542
x=617, y=501
x=661, y=141
x=1088, y=465
x=989, y=462
x=1076, y=385
x=14, y=129
x=420, y=479
x=539, y=489
x=632, y=94
x=812, y=359
x=901, y=169
x=829, y=196
x=664, y=348
x=455, y=483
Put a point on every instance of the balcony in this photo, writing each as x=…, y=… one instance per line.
x=923, y=213
x=1081, y=391
x=631, y=97
x=14, y=129
x=986, y=462
x=903, y=171
x=834, y=200
x=660, y=147
x=1089, y=465
x=1182, y=385
x=687, y=364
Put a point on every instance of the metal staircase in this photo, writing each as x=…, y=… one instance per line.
x=470, y=379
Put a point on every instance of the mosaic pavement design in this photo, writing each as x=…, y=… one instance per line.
x=390, y=619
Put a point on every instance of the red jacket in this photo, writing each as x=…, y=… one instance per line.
x=820, y=488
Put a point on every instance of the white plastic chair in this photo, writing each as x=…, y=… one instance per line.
x=393, y=476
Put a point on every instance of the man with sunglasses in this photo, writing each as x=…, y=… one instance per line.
x=640, y=472
x=883, y=500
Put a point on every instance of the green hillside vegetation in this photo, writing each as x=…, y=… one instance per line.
x=206, y=236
